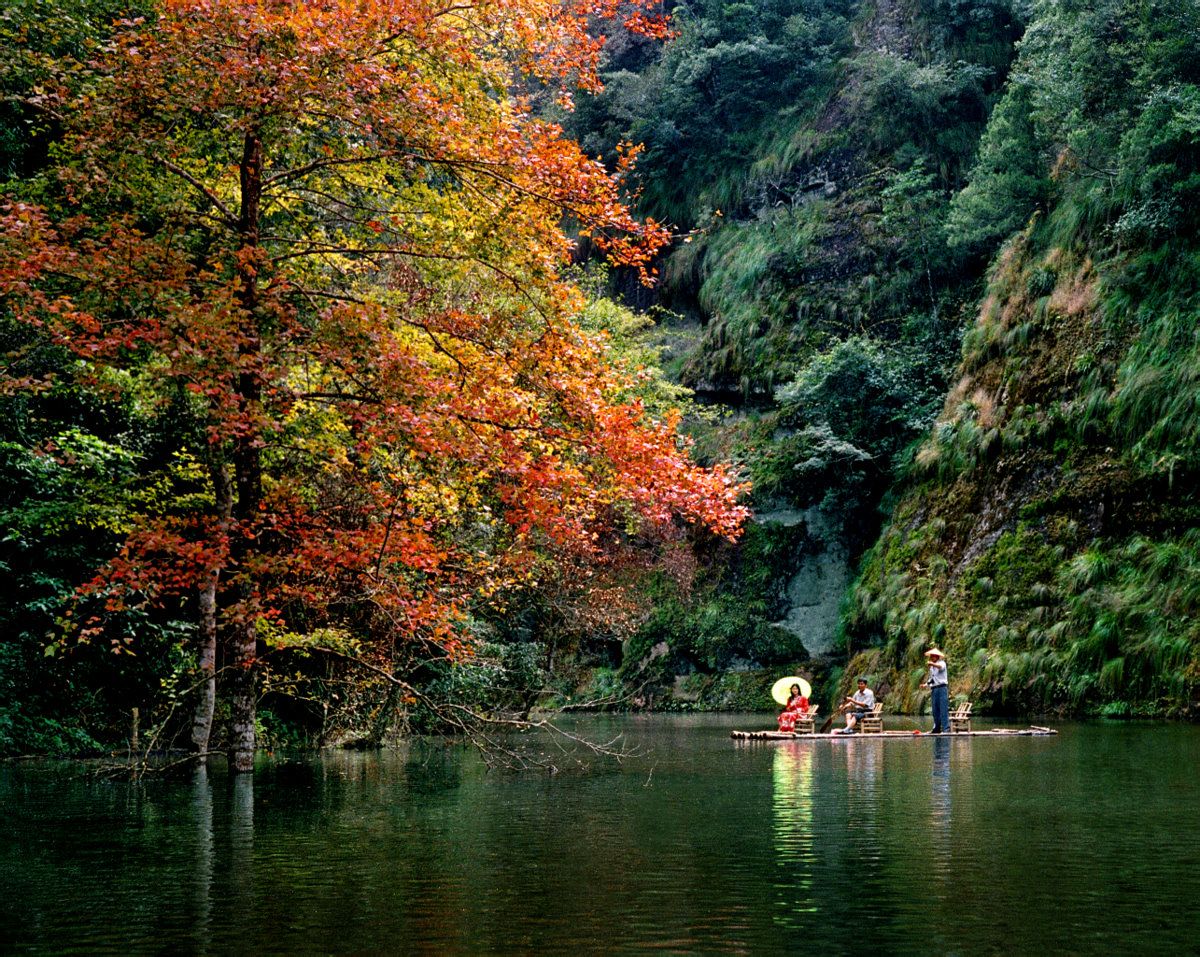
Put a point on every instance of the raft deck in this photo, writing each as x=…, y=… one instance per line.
x=1033, y=731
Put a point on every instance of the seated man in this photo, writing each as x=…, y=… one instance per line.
x=857, y=706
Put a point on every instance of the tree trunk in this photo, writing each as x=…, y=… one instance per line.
x=383, y=720
x=203, y=718
x=205, y=707
x=244, y=699
x=247, y=462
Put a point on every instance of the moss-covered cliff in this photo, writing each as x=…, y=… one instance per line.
x=1048, y=532
x=808, y=153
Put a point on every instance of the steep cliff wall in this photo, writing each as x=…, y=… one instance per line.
x=1048, y=532
x=1048, y=539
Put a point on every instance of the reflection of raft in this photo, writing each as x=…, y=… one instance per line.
x=1033, y=731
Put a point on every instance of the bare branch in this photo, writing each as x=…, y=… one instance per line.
x=229, y=218
x=295, y=172
x=478, y=727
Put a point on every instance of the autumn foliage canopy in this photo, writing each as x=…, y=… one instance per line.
x=327, y=238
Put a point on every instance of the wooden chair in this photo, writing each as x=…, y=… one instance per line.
x=960, y=717
x=872, y=723
x=805, y=722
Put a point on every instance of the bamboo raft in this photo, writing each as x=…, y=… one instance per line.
x=1034, y=731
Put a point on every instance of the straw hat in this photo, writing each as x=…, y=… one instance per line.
x=935, y=651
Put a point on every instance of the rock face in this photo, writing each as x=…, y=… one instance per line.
x=815, y=598
x=815, y=591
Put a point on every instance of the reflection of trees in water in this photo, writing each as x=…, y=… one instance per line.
x=433, y=771
x=202, y=808
x=223, y=902
x=242, y=896
x=792, y=817
x=241, y=821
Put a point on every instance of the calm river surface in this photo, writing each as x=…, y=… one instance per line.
x=1084, y=843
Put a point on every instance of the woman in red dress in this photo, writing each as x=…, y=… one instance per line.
x=797, y=704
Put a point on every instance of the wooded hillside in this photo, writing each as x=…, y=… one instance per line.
x=945, y=253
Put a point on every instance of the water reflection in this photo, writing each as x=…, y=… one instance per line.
x=241, y=889
x=433, y=771
x=864, y=759
x=941, y=778
x=792, y=816
x=241, y=822
x=202, y=809
x=900, y=847
x=939, y=806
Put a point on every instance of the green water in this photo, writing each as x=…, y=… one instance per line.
x=1087, y=842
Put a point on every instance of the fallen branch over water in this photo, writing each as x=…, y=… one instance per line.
x=491, y=733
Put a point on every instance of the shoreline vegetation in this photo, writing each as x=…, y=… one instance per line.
x=956, y=291
x=118, y=758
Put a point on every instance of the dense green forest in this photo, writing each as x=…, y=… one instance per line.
x=931, y=283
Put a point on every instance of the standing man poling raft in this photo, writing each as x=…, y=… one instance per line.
x=939, y=685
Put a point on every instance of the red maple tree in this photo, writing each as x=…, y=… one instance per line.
x=327, y=232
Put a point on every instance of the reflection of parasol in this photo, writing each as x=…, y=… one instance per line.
x=783, y=687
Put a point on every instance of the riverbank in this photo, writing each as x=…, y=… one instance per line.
x=748, y=690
